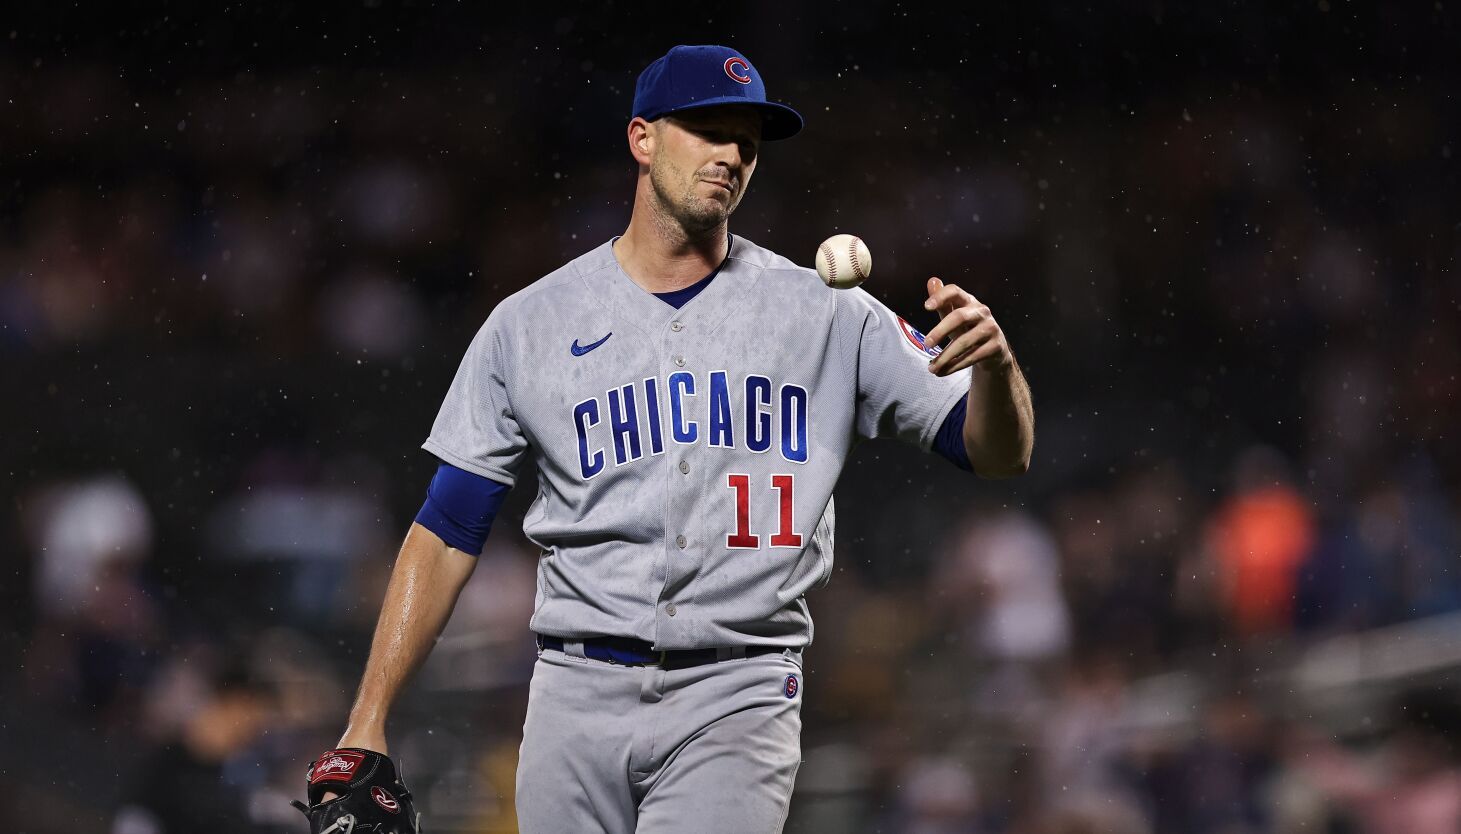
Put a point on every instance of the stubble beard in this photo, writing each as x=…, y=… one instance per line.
x=693, y=216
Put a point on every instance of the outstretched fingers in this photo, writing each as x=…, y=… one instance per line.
x=957, y=321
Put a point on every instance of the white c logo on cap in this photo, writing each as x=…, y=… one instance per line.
x=736, y=69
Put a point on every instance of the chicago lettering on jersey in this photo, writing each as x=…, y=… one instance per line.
x=639, y=420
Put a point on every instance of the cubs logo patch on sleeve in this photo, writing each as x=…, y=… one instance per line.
x=916, y=339
x=791, y=686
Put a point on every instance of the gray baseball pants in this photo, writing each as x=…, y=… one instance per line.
x=711, y=749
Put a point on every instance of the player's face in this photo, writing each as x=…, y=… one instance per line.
x=702, y=163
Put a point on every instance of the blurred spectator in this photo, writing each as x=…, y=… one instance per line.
x=1001, y=583
x=92, y=538
x=1259, y=538
x=85, y=531
x=1081, y=733
x=372, y=313
x=1411, y=784
x=1217, y=782
x=1391, y=558
x=296, y=526
x=202, y=777
x=939, y=796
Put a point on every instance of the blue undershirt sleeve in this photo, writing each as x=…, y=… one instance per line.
x=949, y=442
x=460, y=507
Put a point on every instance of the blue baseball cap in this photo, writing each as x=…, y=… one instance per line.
x=691, y=77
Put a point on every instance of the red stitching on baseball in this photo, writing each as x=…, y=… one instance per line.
x=831, y=262
x=852, y=255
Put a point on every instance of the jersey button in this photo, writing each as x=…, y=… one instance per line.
x=680, y=361
x=676, y=326
x=684, y=467
x=680, y=542
x=670, y=608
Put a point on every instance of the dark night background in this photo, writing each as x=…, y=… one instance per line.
x=242, y=249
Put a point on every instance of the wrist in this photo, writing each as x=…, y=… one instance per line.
x=369, y=735
x=375, y=744
x=1001, y=367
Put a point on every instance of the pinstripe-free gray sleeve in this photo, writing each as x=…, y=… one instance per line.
x=896, y=394
x=476, y=428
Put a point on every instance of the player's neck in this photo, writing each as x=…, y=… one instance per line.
x=660, y=257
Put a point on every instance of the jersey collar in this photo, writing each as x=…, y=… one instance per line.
x=642, y=310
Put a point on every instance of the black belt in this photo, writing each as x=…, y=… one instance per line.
x=628, y=652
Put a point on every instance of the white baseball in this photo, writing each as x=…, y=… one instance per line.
x=844, y=261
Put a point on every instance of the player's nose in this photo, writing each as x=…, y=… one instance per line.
x=729, y=155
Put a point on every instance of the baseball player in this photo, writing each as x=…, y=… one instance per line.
x=689, y=399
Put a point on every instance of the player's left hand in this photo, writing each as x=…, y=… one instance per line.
x=975, y=337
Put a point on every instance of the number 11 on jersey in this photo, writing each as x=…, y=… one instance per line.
x=743, y=538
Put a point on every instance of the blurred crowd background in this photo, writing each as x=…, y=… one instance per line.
x=242, y=249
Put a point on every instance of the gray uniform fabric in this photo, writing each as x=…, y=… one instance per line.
x=685, y=462
x=711, y=749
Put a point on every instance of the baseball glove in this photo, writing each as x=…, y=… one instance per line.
x=372, y=799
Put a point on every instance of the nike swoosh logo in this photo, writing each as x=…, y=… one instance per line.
x=579, y=350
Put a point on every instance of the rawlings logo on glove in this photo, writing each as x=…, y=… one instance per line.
x=372, y=799
x=384, y=799
x=338, y=765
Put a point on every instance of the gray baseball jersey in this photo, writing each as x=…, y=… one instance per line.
x=686, y=457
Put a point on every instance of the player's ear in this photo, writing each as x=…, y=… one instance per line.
x=641, y=140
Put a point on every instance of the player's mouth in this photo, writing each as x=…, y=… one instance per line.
x=728, y=186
